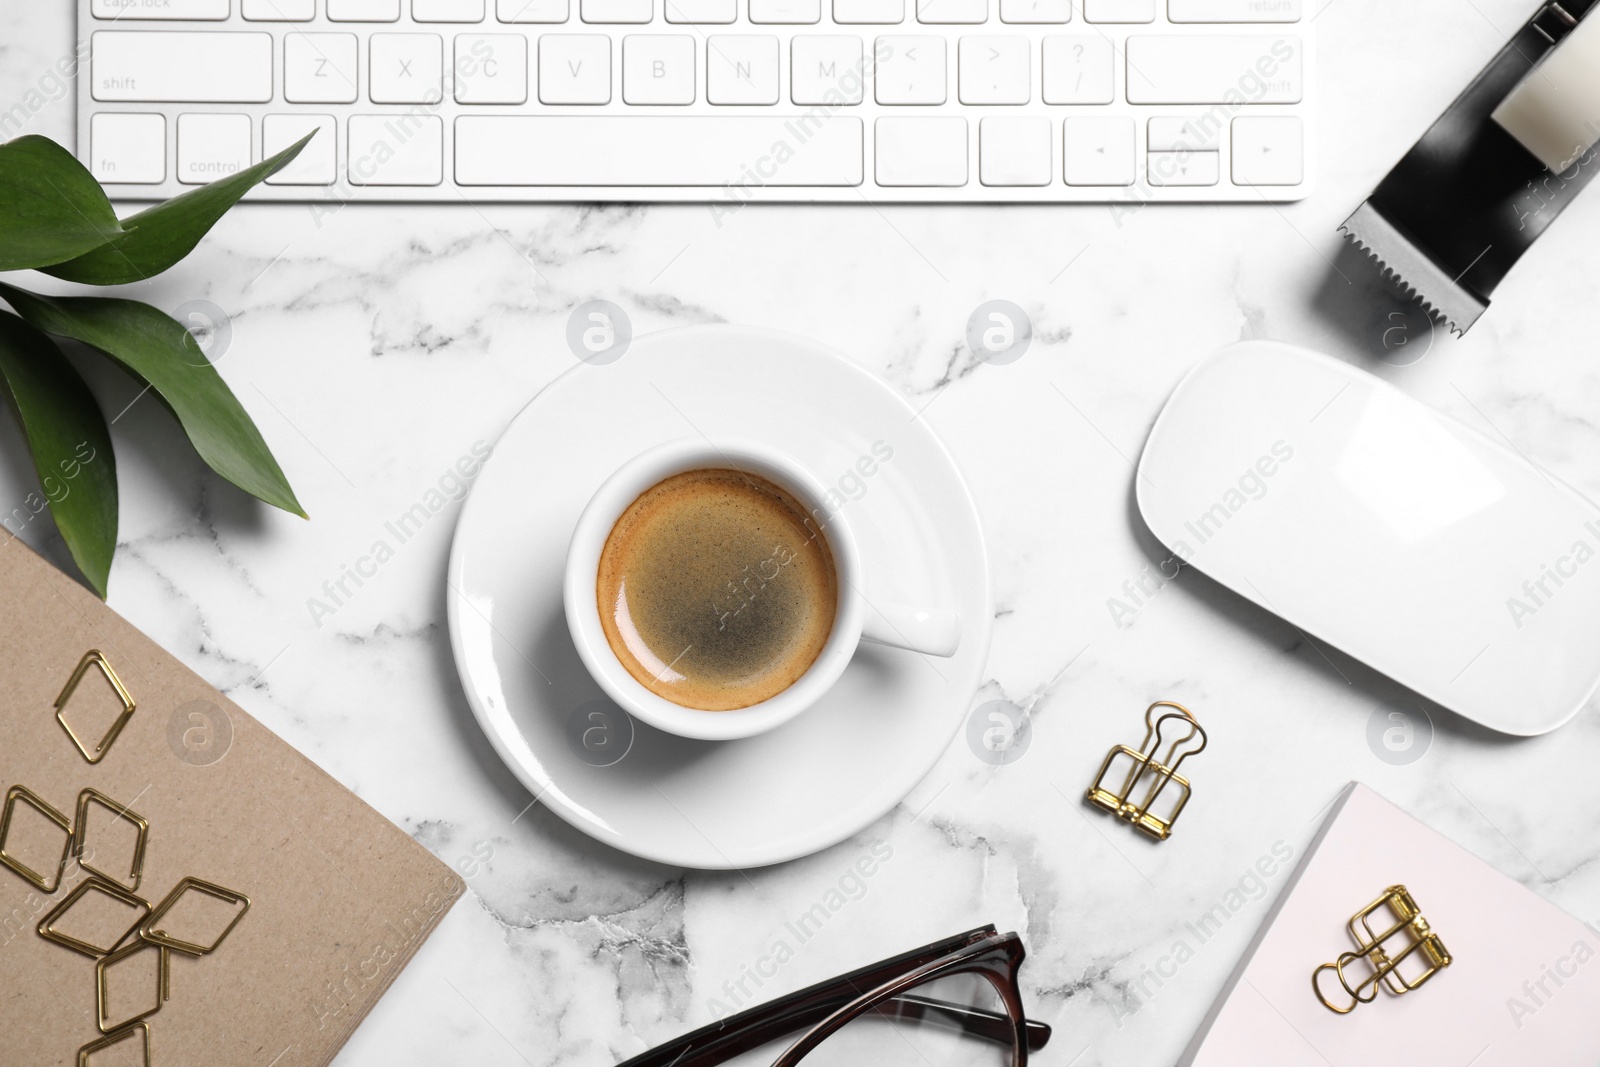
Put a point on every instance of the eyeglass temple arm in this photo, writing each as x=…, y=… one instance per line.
x=991, y=1026
x=701, y=1049
x=802, y=1009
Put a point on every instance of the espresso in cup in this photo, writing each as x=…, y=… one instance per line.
x=716, y=590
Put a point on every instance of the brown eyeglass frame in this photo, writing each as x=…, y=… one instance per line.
x=886, y=988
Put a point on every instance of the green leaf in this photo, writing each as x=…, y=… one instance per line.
x=157, y=350
x=71, y=447
x=51, y=208
x=159, y=237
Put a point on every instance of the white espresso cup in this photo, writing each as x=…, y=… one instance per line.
x=933, y=632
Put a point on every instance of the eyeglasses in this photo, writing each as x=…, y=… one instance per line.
x=954, y=1003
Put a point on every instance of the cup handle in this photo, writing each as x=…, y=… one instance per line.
x=933, y=632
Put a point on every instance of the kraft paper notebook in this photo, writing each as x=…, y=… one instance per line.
x=1522, y=987
x=338, y=898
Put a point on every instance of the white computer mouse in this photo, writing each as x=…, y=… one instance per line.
x=1411, y=541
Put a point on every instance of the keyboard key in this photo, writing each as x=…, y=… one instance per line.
x=1078, y=70
x=617, y=11
x=741, y=69
x=364, y=10
x=645, y=150
x=658, y=69
x=447, y=10
x=1119, y=10
x=545, y=11
x=317, y=163
x=1183, y=168
x=319, y=68
x=994, y=70
x=952, y=12
x=1184, y=133
x=197, y=10
x=212, y=147
x=491, y=68
x=1015, y=151
x=1099, y=150
x=825, y=69
x=921, y=151
x=406, y=68
x=863, y=12
x=1233, y=10
x=1024, y=12
x=391, y=150
x=128, y=149
x=188, y=67
x=279, y=10
x=778, y=12
x=702, y=12
x=911, y=70
x=1214, y=70
x=574, y=68
x=1268, y=150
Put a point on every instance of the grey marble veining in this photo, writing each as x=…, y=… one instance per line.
x=376, y=345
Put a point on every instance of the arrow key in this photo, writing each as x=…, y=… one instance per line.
x=1099, y=150
x=1184, y=168
x=1268, y=150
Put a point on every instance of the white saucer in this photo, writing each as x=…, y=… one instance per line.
x=817, y=780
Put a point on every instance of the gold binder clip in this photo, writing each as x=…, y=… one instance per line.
x=95, y=658
x=1147, y=776
x=1410, y=933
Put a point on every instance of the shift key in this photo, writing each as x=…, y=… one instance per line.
x=1243, y=69
x=1233, y=10
x=189, y=67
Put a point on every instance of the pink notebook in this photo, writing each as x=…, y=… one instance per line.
x=1523, y=987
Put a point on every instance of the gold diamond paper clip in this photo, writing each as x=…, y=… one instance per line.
x=37, y=803
x=81, y=833
x=95, y=658
x=150, y=932
x=113, y=1040
x=48, y=931
x=1384, y=952
x=1148, y=777
x=102, y=985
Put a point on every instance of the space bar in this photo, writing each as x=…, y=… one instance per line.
x=644, y=150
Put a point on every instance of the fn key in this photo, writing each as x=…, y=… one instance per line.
x=128, y=149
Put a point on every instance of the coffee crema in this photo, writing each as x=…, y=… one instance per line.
x=716, y=591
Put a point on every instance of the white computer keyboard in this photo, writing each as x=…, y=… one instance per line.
x=720, y=101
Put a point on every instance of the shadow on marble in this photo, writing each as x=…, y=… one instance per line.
x=1380, y=324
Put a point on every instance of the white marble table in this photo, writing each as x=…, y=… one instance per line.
x=375, y=346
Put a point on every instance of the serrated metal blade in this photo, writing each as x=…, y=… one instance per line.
x=1442, y=296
